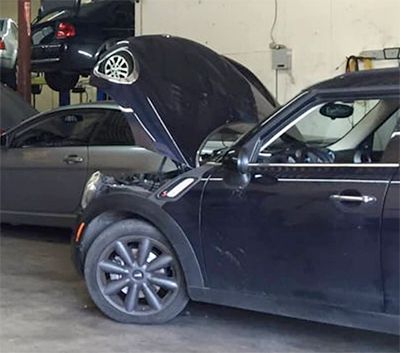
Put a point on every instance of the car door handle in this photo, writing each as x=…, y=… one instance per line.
x=73, y=159
x=351, y=198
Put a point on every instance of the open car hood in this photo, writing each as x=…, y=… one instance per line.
x=175, y=92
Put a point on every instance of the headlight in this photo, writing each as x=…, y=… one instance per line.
x=91, y=188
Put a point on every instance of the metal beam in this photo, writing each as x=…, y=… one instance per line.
x=24, y=49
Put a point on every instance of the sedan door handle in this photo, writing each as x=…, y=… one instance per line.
x=73, y=159
x=351, y=198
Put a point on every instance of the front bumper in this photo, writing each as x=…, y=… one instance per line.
x=6, y=62
x=77, y=255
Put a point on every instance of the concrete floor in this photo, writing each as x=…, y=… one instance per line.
x=45, y=308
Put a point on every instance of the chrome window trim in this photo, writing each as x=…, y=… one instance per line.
x=327, y=165
x=123, y=81
x=317, y=180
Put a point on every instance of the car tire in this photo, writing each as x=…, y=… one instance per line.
x=61, y=82
x=9, y=77
x=134, y=276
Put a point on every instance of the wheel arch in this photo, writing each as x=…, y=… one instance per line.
x=106, y=210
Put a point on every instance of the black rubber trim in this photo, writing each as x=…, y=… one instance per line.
x=379, y=322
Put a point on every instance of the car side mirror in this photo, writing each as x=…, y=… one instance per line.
x=236, y=168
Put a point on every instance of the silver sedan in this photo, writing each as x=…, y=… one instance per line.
x=46, y=161
x=8, y=50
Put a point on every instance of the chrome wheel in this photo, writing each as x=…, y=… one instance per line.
x=138, y=275
x=117, y=66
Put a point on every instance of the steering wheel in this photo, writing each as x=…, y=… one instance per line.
x=317, y=155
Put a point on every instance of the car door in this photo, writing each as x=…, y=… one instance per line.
x=391, y=231
x=113, y=151
x=45, y=167
x=308, y=232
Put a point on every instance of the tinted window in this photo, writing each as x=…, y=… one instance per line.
x=2, y=25
x=73, y=128
x=113, y=131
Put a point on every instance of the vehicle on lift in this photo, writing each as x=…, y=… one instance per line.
x=299, y=217
x=66, y=42
x=13, y=109
x=8, y=51
x=46, y=161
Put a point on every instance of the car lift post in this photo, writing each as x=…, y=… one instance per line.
x=101, y=96
x=64, y=98
x=24, y=49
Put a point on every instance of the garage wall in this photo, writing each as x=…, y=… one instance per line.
x=320, y=32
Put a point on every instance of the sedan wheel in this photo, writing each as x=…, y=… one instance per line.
x=133, y=275
x=117, y=66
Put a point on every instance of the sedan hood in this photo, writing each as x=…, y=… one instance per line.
x=175, y=92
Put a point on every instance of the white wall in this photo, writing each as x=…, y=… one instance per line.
x=320, y=32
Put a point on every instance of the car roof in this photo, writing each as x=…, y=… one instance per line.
x=91, y=105
x=365, y=79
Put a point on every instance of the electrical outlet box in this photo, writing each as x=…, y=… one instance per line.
x=281, y=58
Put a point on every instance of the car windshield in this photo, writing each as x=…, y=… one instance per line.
x=317, y=130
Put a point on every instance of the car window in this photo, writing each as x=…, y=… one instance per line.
x=386, y=140
x=14, y=30
x=335, y=132
x=114, y=130
x=321, y=130
x=54, y=15
x=221, y=139
x=2, y=26
x=383, y=134
x=72, y=128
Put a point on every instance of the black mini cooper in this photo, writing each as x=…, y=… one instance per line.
x=296, y=215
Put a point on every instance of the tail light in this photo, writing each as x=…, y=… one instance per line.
x=65, y=30
x=2, y=44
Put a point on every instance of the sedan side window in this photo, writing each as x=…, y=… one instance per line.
x=14, y=30
x=335, y=132
x=114, y=130
x=63, y=129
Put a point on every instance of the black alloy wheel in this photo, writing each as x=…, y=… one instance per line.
x=133, y=275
